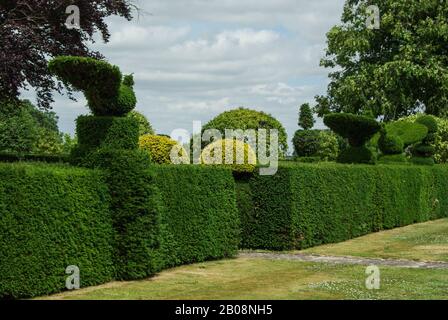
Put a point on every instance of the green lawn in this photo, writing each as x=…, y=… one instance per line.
x=425, y=241
x=255, y=278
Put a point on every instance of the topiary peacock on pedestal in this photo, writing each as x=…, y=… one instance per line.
x=108, y=139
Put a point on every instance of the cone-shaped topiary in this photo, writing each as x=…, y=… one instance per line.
x=107, y=92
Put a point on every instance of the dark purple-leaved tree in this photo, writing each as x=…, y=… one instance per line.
x=32, y=31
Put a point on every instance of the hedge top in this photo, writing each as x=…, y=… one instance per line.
x=357, y=129
x=107, y=92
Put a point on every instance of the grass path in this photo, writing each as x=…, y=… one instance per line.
x=420, y=242
x=281, y=276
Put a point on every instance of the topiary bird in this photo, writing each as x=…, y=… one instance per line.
x=108, y=93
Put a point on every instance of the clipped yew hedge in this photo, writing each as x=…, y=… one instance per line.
x=52, y=217
x=199, y=219
x=306, y=205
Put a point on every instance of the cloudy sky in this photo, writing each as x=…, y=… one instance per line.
x=193, y=59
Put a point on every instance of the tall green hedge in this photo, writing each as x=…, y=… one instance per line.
x=306, y=205
x=199, y=218
x=52, y=217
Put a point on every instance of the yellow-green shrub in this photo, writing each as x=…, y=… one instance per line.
x=209, y=156
x=160, y=147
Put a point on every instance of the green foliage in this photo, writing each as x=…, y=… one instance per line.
x=102, y=84
x=391, y=72
x=393, y=158
x=306, y=205
x=143, y=123
x=408, y=132
x=423, y=161
x=357, y=129
x=440, y=142
x=316, y=143
x=429, y=122
x=52, y=217
x=357, y=155
x=329, y=146
x=160, y=147
x=306, y=143
x=199, y=220
x=245, y=119
x=26, y=130
x=306, y=119
x=104, y=132
x=390, y=144
x=135, y=207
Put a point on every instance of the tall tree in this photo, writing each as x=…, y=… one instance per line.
x=31, y=31
x=393, y=71
x=306, y=119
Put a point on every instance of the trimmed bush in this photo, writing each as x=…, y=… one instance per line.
x=306, y=143
x=135, y=206
x=101, y=82
x=357, y=155
x=429, y=122
x=160, y=147
x=393, y=158
x=143, y=123
x=425, y=149
x=357, y=129
x=199, y=220
x=242, y=162
x=408, y=132
x=306, y=205
x=245, y=119
x=52, y=217
x=114, y=132
x=390, y=144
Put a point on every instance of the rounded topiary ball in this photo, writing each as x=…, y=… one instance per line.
x=160, y=148
x=390, y=144
x=216, y=152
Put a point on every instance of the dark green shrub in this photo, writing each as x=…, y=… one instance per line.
x=114, y=132
x=52, y=217
x=305, y=205
x=390, y=144
x=408, y=132
x=306, y=143
x=308, y=159
x=104, y=132
x=357, y=129
x=143, y=123
x=426, y=148
x=393, y=158
x=199, y=220
x=357, y=155
x=423, y=161
x=306, y=119
x=135, y=207
x=429, y=122
x=102, y=84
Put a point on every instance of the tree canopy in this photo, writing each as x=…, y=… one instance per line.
x=394, y=71
x=306, y=119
